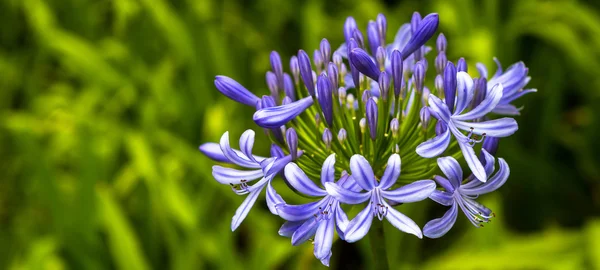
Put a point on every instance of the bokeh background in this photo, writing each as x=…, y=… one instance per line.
x=103, y=104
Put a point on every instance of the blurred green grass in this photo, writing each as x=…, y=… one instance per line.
x=104, y=103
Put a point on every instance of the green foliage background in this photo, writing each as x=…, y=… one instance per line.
x=103, y=104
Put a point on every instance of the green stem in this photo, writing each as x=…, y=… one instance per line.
x=378, y=246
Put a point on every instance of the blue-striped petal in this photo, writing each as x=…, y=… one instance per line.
x=451, y=169
x=274, y=117
x=299, y=181
x=502, y=127
x=359, y=226
x=324, y=238
x=465, y=93
x=362, y=172
x=440, y=226
x=436, y=146
x=244, y=209
x=305, y=232
x=413, y=192
x=328, y=170
x=474, y=164
x=246, y=144
x=391, y=173
x=346, y=196
x=493, y=183
x=213, y=151
x=289, y=228
x=487, y=105
x=402, y=222
x=439, y=109
x=291, y=212
x=427, y=28
x=228, y=176
x=233, y=156
x=441, y=197
x=273, y=199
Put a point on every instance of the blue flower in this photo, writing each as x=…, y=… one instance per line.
x=318, y=218
x=461, y=195
x=376, y=194
x=262, y=168
x=450, y=114
x=514, y=79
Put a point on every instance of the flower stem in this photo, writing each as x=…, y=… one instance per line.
x=378, y=246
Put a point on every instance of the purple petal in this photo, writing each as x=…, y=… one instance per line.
x=473, y=162
x=427, y=28
x=276, y=151
x=246, y=144
x=441, y=197
x=273, y=199
x=362, y=61
x=274, y=117
x=292, y=212
x=502, y=127
x=233, y=156
x=506, y=109
x=440, y=226
x=325, y=260
x=305, y=232
x=244, y=209
x=359, y=226
x=289, y=227
x=464, y=91
x=509, y=98
x=324, y=238
x=213, y=151
x=439, y=109
x=413, y=192
x=341, y=220
x=434, y=147
x=451, y=169
x=402, y=222
x=487, y=105
x=235, y=91
x=392, y=172
x=493, y=183
x=346, y=196
x=483, y=72
x=362, y=172
x=299, y=181
x=328, y=170
x=228, y=176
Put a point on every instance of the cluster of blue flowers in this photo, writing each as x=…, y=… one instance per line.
x=356, y=115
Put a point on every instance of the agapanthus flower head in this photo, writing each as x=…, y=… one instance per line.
x=355, y=113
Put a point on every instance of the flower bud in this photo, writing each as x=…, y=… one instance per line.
x=441, y=43
x=350, y=101
x=358, y=36
x=295, y=69
x=338, y=60
x=373, y=35
x=349, y=27
x=277, y=68
x=426, y=29
x=363, y=62
x=439, y=84
x=332, y=73
x=461, y=65
x=272, y=84
x=363, y=125
x=291, y=138
x=325, y=98
x=318, y=59
x=395, y=127
x=325, y=50
x=372, y=115
x=440, y=62
x=342, y=94
x=382, y=27
x=327, y=137
x=419, y=76
x=450, y=85
x=235, y=91
x=342, y=135
x=366, y=96
x=306, y=72
x=380, y=56
x=425, y=115
x=397, y=67
x=414, y=22
x=286, y=100
x=384, y=85
x=288, y=87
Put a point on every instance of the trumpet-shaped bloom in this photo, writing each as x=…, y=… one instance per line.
x=454, y=120
x=377, y=193
x=458, y=195
x=261, y=169
x=514, y=79
x=317, y=218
